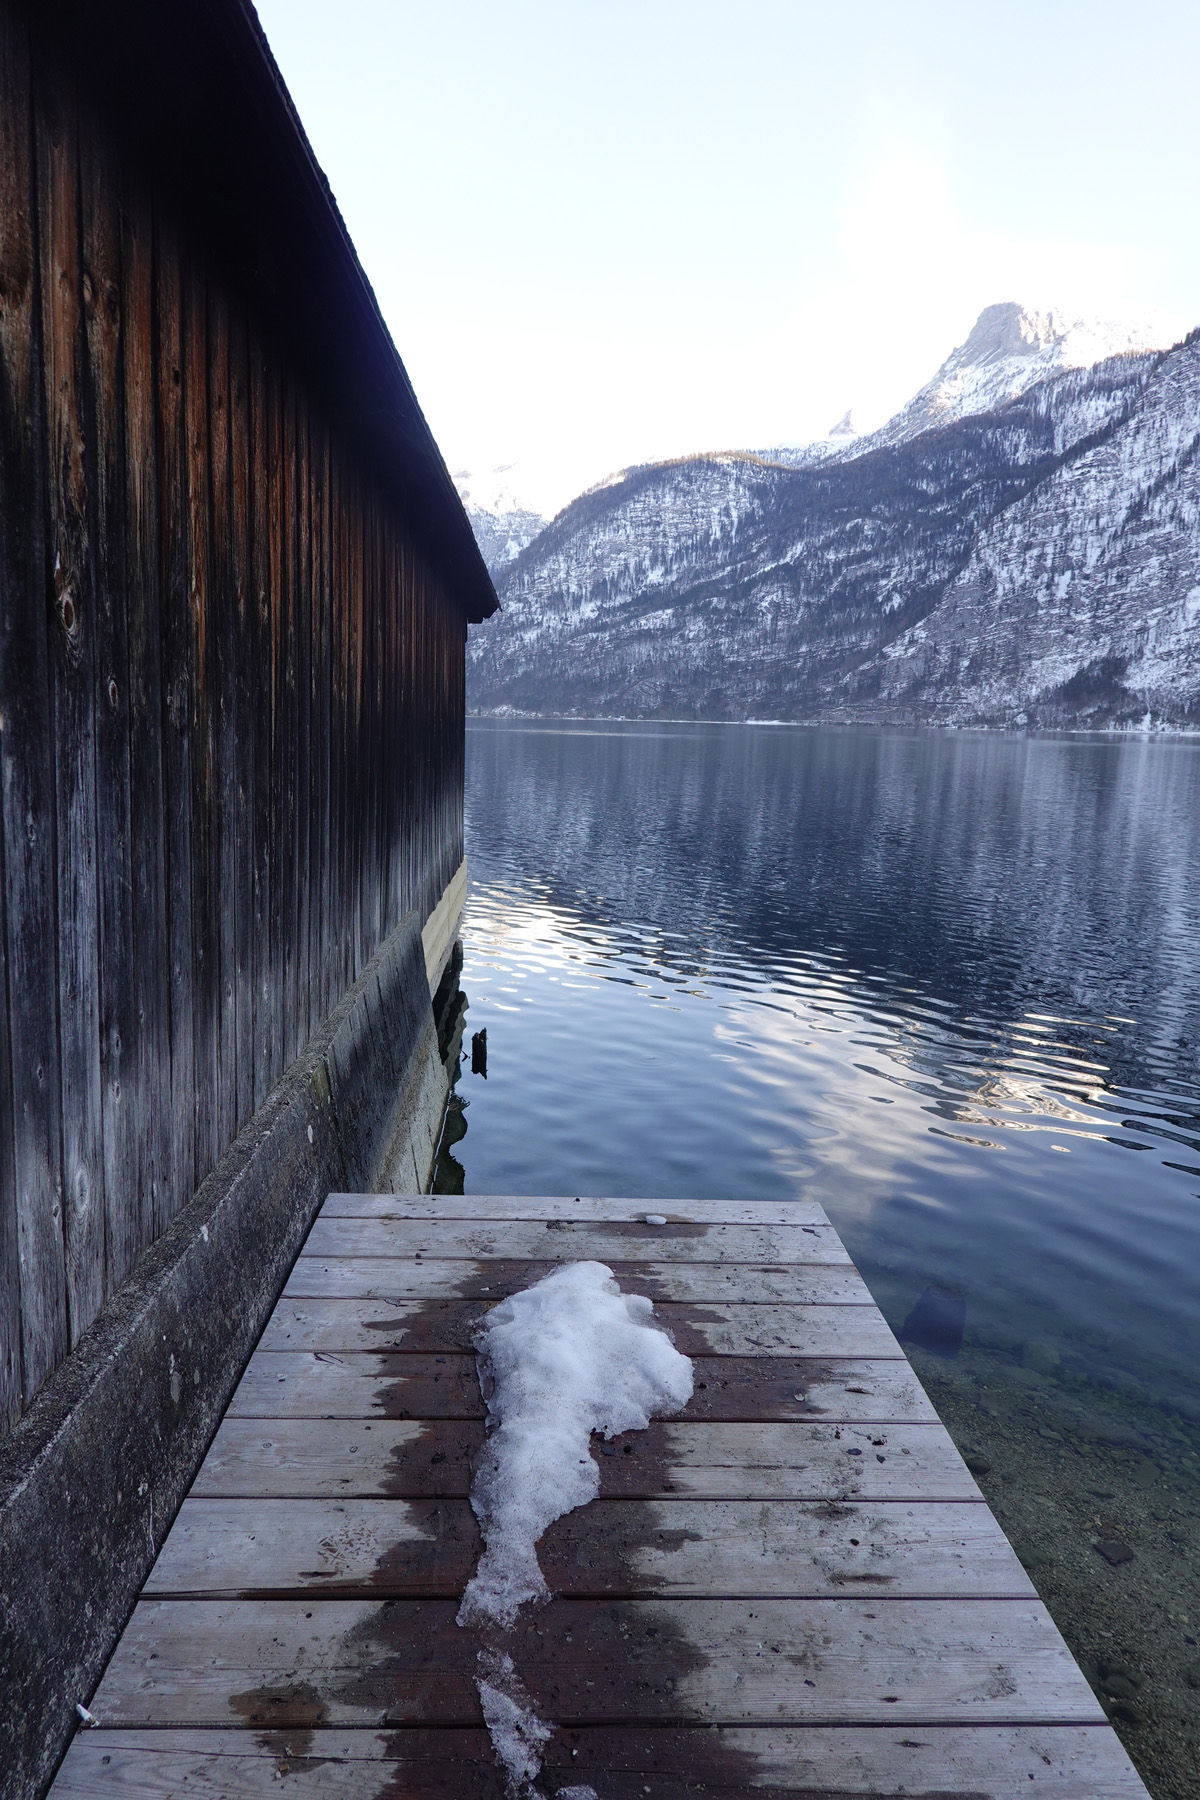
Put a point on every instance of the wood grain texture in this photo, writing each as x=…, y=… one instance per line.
x=451, y=1324
x=71, y=466
x=570, y=1240
x=37, y=1326
x=507, y=1208
x=213, y=630
x=146, y=1051
x=426, y=1548
x=413, y=1385
x=771, y=1662
x=1074, y=1762
x=103, y=316
x=800, y=1550
x=407, y=1458
x=386, y=1279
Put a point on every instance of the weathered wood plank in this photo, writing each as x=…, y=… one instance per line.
x=401, y=1458
x=1005, y=1762
x=73, y=674
x=149, y=1053
x=267, y=1065
x=202, y=575
x=225, y=852
x=451, y=1324
x=698, y=1548
x=774, y=1662
x=244, y=699
x=563, y=1240
x=508, y=1208
x=177, y=693
x=36, y=1314
x=392, y=1279
x=126, y=1233
x=404, y=1385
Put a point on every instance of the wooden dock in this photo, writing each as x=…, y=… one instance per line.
x=795, y=1588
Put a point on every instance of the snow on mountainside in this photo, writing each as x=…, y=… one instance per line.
x=1034, y=562
x=1008, y=349
x=502, y=522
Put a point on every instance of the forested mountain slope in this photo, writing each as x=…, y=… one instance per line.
x=1041, y=559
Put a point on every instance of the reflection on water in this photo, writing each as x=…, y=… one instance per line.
x=946, y=984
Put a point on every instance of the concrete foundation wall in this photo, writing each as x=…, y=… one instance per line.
x=91, y=1478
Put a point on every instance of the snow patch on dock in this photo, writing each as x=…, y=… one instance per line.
x=567, y=1357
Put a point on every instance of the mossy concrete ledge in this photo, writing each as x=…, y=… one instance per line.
x=91, y=1478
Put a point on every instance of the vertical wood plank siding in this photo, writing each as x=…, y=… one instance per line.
x=231, y=717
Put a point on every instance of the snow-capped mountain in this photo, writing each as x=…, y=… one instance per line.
x=503, y=522
x=1037, y=562
x=1009, y=348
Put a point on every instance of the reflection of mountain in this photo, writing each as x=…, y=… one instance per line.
x=996, y=876
x=1020, y=544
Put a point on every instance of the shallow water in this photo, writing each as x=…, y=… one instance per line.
x=948, y=984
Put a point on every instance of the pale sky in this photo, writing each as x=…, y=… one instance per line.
x=606, y=233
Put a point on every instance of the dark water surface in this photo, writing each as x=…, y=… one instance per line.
x=948, y=984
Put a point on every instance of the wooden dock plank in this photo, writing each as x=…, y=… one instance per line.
x=793, y=1588
x=406, y=1278
x=1073, y=1762
x=363, y=1323
x=573, y=1240
x=505, y=1208
x=429, y=1548
x=772, y=1662
x=406, y=1458
x=294, y=1384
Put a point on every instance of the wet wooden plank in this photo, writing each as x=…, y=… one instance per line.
x=427, y=1548
x=421, y=1385
x=436, y=1324
x=815, y=1327
x=775, y=1662
x=407, y=1458
x=566, y=1240
x=507, y=1208
x=389, y=1278
x=1007, y=1762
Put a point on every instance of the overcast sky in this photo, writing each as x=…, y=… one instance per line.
x=603, y=233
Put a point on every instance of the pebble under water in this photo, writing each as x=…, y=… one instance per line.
x=947, y=984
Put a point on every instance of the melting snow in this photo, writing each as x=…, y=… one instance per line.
x=567, y=1357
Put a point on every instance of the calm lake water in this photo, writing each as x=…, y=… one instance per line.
x=946, y=983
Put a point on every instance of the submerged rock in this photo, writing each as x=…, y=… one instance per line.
x=936, y=1322
x=1043, y=1359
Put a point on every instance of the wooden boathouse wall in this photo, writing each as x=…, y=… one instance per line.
x=234, y=585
